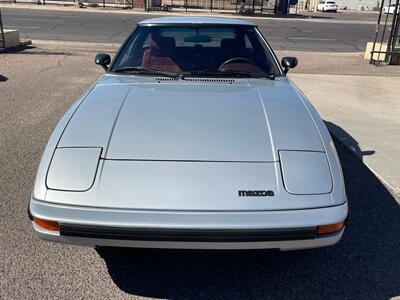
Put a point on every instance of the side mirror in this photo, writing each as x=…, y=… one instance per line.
x=103, y=60
x=289, y=62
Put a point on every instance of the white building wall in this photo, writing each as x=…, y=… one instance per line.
x=349, y=4
x=355, y=4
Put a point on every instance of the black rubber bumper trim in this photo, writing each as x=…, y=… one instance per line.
x=29, y=211
x=187, y=235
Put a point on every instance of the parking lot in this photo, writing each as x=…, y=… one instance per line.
x=39, y=83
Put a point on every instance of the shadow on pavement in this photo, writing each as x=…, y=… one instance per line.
x=365, y=264
x=3, y=78
x=270, y=15
x=347, y=140
x=34, y=50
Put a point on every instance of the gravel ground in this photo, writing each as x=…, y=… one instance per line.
x=36, y=87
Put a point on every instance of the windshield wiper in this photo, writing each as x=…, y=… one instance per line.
x=219, y=73
x=144, y=70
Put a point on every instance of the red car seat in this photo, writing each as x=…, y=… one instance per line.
x=159, y=55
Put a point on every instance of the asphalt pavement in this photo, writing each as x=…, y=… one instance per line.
x=341, y=32
x=36, y=88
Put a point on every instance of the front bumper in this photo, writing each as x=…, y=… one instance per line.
x=284, y=230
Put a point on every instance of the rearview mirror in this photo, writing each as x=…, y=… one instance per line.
x=103, y=60
x=289, y=62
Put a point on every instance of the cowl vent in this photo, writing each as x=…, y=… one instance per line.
x=199, y=80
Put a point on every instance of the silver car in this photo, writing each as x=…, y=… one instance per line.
x=194, y=138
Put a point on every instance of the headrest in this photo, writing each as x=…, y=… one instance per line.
x=232, y=44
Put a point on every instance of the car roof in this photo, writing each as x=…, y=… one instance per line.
x=196, y=21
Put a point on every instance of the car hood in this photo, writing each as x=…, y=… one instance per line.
x=188, y=120
x=219, y=145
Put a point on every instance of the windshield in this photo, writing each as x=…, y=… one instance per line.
x=197, y=50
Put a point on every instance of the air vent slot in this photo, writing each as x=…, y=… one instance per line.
x=159, y=79
x=197, y=80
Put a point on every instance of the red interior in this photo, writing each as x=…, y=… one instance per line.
x=159, y=55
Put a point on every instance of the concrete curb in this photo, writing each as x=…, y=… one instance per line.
x=75, y=45
x=395, y=193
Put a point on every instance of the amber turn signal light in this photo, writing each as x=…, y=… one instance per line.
x=330, y=228
x=46, y=224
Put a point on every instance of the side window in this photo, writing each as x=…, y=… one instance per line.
x=126, y=58
x=247, y=42
x=146, y=43
x=133, y=53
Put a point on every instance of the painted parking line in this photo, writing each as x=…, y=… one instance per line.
x=18, y=14
x=23, y=27
x=310, y=39
x=274, y=37
x=36, y=20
